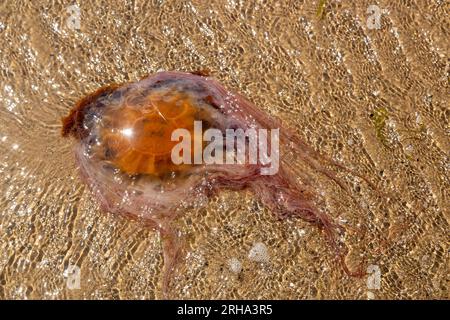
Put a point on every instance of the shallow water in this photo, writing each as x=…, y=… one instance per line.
x=374, y=99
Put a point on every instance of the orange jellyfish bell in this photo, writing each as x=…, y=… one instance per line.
x=137, y=139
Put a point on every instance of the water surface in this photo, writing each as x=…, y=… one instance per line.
x=374, y=97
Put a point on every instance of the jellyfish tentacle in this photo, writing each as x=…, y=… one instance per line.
x=172, y=253
x=151, y=189
x=289, y=200
x=341, y=254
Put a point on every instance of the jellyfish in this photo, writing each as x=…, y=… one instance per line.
x=125, y=140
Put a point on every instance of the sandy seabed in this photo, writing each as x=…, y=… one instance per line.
x=373, y=96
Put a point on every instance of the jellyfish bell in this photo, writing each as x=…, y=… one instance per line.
x=125, y=145
x=125, y=141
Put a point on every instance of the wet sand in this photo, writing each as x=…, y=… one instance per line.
x=371, y=96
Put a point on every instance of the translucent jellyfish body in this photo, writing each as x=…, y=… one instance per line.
x=124, y=150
